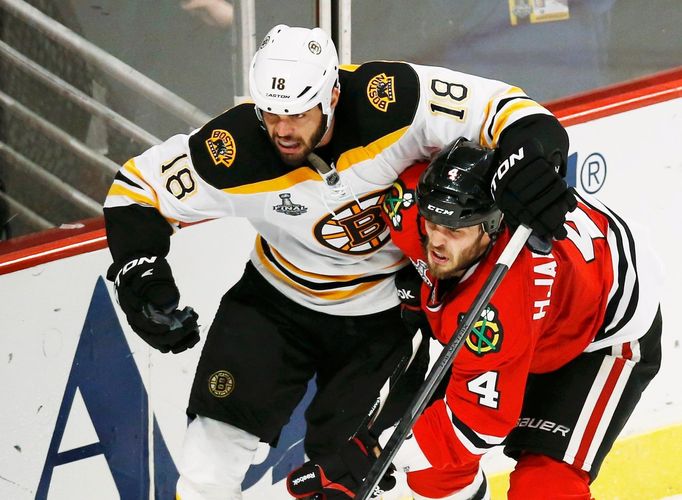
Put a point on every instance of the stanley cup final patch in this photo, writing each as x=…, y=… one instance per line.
x=288, y=207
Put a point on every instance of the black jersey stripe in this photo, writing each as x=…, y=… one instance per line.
x=499, y=108
x=471, y=435
x=625, y=248
x=120, y=177
x=633, y=300
x=312, y=285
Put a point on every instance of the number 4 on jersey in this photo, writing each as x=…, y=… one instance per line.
x=485, y=386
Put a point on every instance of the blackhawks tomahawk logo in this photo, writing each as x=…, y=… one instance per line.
x=485, y=336
x=397, y=199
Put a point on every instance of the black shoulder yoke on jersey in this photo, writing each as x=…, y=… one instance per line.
x=233, y=150
x=377, y=98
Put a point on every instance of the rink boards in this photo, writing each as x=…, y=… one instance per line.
x=89, y=408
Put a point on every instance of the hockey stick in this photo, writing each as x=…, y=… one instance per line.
x=385, y=391
x=440, y=368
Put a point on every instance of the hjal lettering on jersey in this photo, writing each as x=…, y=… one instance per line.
x=543, y=274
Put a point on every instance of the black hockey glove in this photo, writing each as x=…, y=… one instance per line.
x=146, y=291
x=338, y=476
x=529, y=190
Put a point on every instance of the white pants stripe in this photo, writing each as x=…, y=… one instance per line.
x=596, y=415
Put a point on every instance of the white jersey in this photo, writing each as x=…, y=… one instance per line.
x=326, y=249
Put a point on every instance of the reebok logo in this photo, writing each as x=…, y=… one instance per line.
x=299, y=480
x=404, y=294
x=504, y=168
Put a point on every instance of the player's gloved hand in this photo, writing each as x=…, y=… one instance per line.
x=529, y=190
x=146, y=291
x=338, y=476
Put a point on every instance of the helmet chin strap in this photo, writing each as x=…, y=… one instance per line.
x=329, y=121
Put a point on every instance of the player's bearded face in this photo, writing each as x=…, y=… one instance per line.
x=295, y=136
x=450, y=252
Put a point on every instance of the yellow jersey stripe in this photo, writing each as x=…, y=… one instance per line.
x=130, y=167
x=349, y=67
x=502, y=118
x=362, y=153
x=299, y=175
x=119, y=190
x=302, y=174
x=332, y=295
x=483, y=138
x=322, y=277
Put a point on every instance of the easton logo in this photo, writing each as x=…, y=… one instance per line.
x=356, y=228
x=504, y=168
x=129, y=265
x=380, y=91
x=221, y=147
x=397, y=199
x=486, y=334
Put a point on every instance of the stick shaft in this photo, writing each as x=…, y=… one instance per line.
x=443, y=362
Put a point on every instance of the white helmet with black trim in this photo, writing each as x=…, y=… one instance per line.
x=294, y=70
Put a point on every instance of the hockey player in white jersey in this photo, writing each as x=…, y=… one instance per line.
x=317, y=297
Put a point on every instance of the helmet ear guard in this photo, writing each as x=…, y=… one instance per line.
x=294, y=70
x=453, y=191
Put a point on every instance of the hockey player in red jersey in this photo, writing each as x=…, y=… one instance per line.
x=557, y=361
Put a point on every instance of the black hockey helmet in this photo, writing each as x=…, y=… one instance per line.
x=454, y=190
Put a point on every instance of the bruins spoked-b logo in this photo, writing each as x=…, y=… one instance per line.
x=397, y=199
x=485, y=336
x=221, y=147
x=355, y=228
x=221, y=384
x=380, y=91
x=314, y=47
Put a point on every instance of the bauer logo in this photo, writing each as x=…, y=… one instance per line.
x=221, y=147
x=221, y=384
x=380, y=91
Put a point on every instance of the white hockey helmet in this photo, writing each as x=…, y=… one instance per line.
x=294, y=70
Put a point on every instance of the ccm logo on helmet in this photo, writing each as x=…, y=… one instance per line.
x=439, y=210
x=505, y=166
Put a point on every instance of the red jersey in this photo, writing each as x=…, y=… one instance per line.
x=585, y=295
